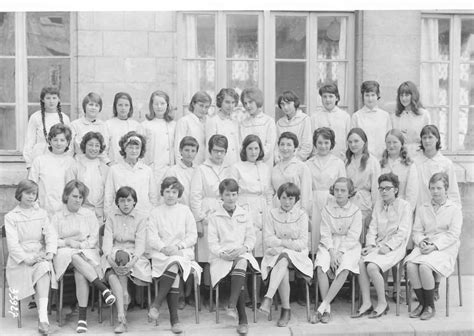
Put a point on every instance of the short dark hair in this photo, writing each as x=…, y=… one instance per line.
x=370, y=86
x=229, y=92
x=254, y=94
x=348, y=182
x=390, y=177
x=330, y=88
x=430, y=129
x=75, y=184
x=124, y=192
x=228, y=184
x=247, y=141
x=201, y=97
x=122, y=95
x=26, y=185
x=188, y=141
x=291, y=136
x=124, y=141
x=89, y=136
x=441, y=176
x=92, y=97
x=290, y=189
x=288, y=96
x=326, y=133
x=218, y=140
x=173, y=183
x=57, y=129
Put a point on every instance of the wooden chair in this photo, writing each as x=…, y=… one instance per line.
x=353, y=290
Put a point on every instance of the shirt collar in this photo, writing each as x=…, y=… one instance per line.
x=88, y=122
x=367, y=110
x=182, y=165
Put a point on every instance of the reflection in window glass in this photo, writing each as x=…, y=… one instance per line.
x=49, y=71
x=290, y=37
x=332, y=37
x=7, y=131
x=47, y=34
x=439, y=117
x=242, y=36
x=242, y=74
x=200, y=36
x=435, y=39
x=200, y=75
x=290, y=76
x=466, y=128
x=7, y=80
x=7, y=34
x=467, y=40
x=434, y=84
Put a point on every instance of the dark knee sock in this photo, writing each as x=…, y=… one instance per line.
x=172, y=299
x=237, y=280
x=429, y=297
x=99, y=284
x=164, y=287
x=83, y=313
x=241, y=308
x=420, y=295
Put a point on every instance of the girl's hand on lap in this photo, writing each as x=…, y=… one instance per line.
x=384, y=249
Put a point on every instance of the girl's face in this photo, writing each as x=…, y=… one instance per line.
x=250, y=106
x=50, y=102
x=287, y=202
x=123, y=108
x=59, y=143
x=356, y=144
x=126, y=204
x=28, y=198
x=288, y=107
x=132, y=152
x=429, y=142
x=170, y=196
x=438, y=192
x=405, y=99
x=229, y=199
x=92, y=148
x=387, y=191
x=188, y=153
x=74, y=201
x=201, y=109
x=228, y=104
x=323, y=145
x=92, y=110
x=159, y=106
x=370, y=99
x=341, y=193
x=286, y=147
x=329, y=100
x=217, y=155
x=252, y=151
x=393, y=145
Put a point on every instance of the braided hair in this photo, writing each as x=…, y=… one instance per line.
x=52, y=90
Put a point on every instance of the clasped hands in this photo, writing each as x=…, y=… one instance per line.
x=171, y=250
x=30, y=261
x=232, y=254
x=336, y=258
x=427, y=247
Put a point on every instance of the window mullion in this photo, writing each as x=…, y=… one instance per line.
x=455, y=37
x=269, y=65
x=221, y=51
x=312, y=61
x=21, y=79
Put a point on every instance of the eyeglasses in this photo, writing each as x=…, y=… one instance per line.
x=382, y=189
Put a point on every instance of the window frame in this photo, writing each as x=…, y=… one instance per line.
x=21, y=81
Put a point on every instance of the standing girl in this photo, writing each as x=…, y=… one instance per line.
x=159, y=131
x=120, y=124
x=124, y=247
x=410, y=116
x=49, y=170
x=193, y=124
x=91, y=171
x=325, y=169
x=363, y=169
x=222, y=123
x=132, y=172
x=32, y=242
x=36, y=140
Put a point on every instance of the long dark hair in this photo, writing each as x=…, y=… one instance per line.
x=415, y=104
x=365, y=151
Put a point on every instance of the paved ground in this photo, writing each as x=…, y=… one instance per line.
x=460, y=321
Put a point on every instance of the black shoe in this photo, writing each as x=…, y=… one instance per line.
x=360, y=313
x=284, y=317
x=428, y=313
x=417, y=312
x=376, y=314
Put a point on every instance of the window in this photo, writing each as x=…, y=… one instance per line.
x=35, y=52
x=302, y=51
x=447, y=78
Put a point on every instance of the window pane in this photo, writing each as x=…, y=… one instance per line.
x=65, y=108
x=200, y=36
x=290, y=76
x=200, y=75
x=434, y=84
x=435, y=39
x=7, y=80
x=290, y=37
x=43, y=72
x=242, y=36
x=7, y=34
x=439, y=117
x=332, y=37
x=47, y=34
x=7, y=129
x=333, y=72
x=466, y=87
x=467, y=40
x=242, y=74
x=466, y=128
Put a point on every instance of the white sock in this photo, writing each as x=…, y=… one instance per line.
x=43, y=310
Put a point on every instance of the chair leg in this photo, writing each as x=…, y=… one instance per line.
x=447, y=296
x=254, y=296
x=60, y=309
x=148, y=288
x=316, y=291
x=4, y=292
x=459, y=280
x=93, y=298
x=19, y=314
x=353, y=280
x=397, y=284
x=100, y=311
x=407, y=292
x=211, y=299
x=196, y=298
x=308, y=303
x=112, y=315
x=156, y=293
x=217, y=303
